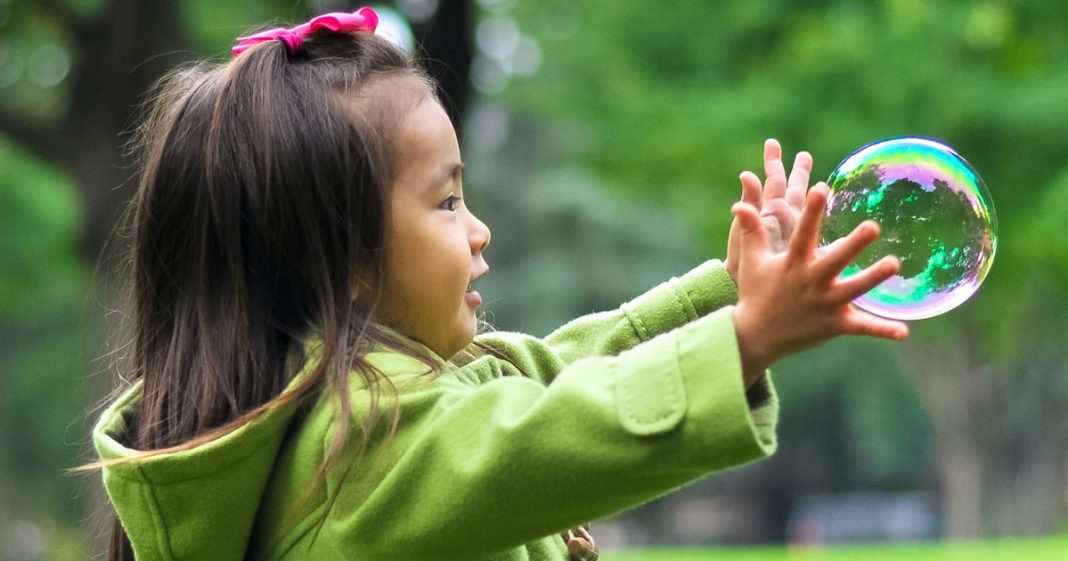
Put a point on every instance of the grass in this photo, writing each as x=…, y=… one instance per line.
x=1002, y=550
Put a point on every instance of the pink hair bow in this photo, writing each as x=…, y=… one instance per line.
x=364, y=19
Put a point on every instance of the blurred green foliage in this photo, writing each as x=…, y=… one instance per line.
x=44, y=362
x=40, y=223
x=672, y=103
x=666, y=105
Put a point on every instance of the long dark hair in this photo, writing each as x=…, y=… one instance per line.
x=260, y=214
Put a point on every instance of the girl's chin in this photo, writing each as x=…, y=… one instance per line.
x=464, y=336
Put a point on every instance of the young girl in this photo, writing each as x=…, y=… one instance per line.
x=308, y=383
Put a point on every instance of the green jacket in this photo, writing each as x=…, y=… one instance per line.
x=491, y=459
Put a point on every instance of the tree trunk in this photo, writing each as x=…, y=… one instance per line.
x=961, y=471
x=1032, y=449
x=447, y=42
x=955, y=393
x=1000, y=430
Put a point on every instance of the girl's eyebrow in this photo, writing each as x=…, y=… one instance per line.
x=448, y=172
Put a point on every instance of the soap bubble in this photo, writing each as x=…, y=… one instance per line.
x=935, y=214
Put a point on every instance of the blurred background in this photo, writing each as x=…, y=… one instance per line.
x=603, y=140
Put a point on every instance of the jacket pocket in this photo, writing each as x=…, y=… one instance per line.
x=649, y=393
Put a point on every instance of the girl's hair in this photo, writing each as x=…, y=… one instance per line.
x=260, y=214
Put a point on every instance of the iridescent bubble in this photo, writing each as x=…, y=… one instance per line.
x=935, y=214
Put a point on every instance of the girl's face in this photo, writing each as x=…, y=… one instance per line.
x=435, y=243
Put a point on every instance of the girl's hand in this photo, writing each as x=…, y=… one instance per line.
x=788, y=302
x=778, y=201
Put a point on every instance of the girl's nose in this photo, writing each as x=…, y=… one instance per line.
x=480, y=235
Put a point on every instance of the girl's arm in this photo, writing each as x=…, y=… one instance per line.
x=669, y=305
x=483, y=463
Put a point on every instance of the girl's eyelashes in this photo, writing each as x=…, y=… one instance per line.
x=450, y=203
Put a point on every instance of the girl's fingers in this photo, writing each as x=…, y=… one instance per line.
x=798, y=183
x=843, y=251
x=753, y=237
x=826, y=249
x=750, y=188
x=774, y=172
x=805, y=238
x=857, y=322
x=848, y=289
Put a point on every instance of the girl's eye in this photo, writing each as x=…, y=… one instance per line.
x=450, y=203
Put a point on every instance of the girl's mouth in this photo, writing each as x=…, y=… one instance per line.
x=472, y=297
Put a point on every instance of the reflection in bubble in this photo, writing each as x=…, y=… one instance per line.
x=936, y=217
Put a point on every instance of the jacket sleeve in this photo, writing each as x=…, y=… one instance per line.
x=482, y=468
x=671, y=304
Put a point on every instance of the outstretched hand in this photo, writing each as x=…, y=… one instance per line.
x=778, y=200
x=794, y=300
